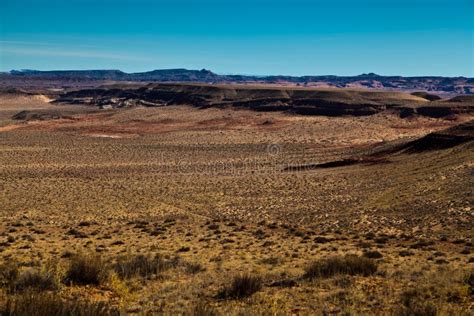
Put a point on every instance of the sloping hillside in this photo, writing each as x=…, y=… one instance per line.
x=329, y=102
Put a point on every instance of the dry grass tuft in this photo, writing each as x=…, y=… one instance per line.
x=203, y=309
x=38, y=280
x=242, y=286
x=47, y=304
x=193, y=267
x=349, y=265
x=141, y=265
x=8, y=275
x=373, y=254
x=416, y=302
x=86, y=269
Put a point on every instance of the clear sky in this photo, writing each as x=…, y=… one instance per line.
x=293, y=37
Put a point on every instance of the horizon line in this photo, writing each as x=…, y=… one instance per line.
x=11, y=71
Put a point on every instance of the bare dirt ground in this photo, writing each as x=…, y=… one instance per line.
x=206, y=192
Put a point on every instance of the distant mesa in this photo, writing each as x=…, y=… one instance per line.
x=432, y=85
x=371, y=74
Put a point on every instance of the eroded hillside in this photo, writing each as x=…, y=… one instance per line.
x=328, y=102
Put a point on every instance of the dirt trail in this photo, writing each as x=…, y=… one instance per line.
x=11, y=127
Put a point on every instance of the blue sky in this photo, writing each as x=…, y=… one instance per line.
x=293, y=37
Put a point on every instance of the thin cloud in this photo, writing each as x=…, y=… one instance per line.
x=70, y=53
x=29, y=43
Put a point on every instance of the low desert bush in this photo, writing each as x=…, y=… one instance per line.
x=348, y=265
x=373, y=254
x=203, y=309
x=469, y=281
x=184, y=249
x=193, y=267
x=47, y=304
x=242, y=286
x=13, y=280
x=41, y=280
x=416, y=302
x=86, y=269
x=273, y=261
x=140, y=265
x=9, y=273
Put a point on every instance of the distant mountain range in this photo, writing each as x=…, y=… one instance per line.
x=435, y=84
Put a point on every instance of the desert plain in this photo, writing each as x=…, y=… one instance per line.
x=112, y=206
